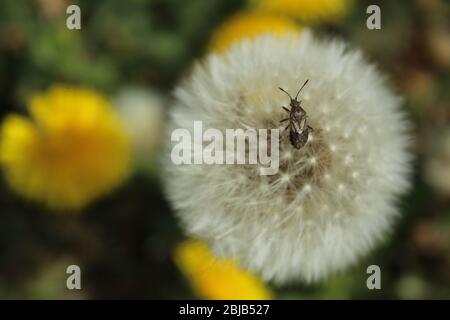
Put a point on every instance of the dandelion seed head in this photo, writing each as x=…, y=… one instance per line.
x=355, y=177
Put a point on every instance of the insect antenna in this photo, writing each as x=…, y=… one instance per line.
x=300, y=89
x=285, y=92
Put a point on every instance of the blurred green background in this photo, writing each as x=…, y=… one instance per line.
x=124, y=242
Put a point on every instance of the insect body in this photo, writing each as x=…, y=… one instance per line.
x=299, y=129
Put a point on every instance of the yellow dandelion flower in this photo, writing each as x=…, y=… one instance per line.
x=72, y=150
x=308, y=11
x=249, y=25
x=215, y=278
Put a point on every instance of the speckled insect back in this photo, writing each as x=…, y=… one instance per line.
x=299, y=130
x=333, y=198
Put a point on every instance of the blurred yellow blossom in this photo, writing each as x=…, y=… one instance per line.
x=216, y=278
x=73, y=149
x=307, y=11
x=249, y=25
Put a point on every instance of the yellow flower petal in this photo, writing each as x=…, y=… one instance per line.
x=248, y=25
x=308, y=11
x=217, y=279
x=73, y=150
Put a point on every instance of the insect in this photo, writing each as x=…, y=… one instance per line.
x=299, y=129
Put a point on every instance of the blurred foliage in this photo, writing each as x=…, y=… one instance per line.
x=124, y=243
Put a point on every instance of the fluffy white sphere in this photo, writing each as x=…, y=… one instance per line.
x=142, y=112
x=333, y=199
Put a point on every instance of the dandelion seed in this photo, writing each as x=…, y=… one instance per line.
x=285, y=178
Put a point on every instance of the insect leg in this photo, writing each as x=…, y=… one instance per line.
x=283, y=120
x=281, y=134
x=288, y=111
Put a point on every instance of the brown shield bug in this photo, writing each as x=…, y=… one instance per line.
x=299, y=129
